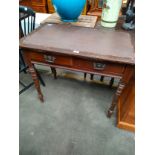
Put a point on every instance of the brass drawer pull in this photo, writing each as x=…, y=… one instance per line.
x=49, y=58
x=99, y=66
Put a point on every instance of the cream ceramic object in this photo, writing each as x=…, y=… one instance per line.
x=110, y=12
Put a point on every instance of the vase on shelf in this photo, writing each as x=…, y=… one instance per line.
x=68, y=10
x=110, y=12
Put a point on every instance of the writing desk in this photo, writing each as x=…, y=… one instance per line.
x=95, y=51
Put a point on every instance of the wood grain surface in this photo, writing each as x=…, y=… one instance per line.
x=101, y=44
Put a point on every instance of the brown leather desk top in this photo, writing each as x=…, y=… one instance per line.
x=104, y=44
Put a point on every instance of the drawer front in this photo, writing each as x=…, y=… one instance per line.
x=99, y=67
x=51, y=59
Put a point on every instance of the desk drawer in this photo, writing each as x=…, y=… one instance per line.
x=99, y=67
x=51, y=59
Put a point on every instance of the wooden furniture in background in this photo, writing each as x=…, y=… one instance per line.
x=95, y=7
x=51, y=8
x=93, y=54
x=84, y=12
x=43, y=6
x=126, y=107
x=36, y=5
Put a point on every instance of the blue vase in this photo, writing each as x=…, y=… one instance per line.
x=69, y=10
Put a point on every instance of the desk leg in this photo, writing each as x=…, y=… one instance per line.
x=54, y=72
x=120, y=88
x=128, y=73
x=36, y=82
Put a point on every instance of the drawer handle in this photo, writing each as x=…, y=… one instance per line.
x=99, y=66
x=49, y=58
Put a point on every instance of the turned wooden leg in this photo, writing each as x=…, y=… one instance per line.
x=91, y=76
x=102, y=78
x=111, y=82
x=40, y=78
x=54, y=72
x=85, y=75
x=115, y=99
x=36, y=82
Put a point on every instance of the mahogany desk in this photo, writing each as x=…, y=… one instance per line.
x=96, y=51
